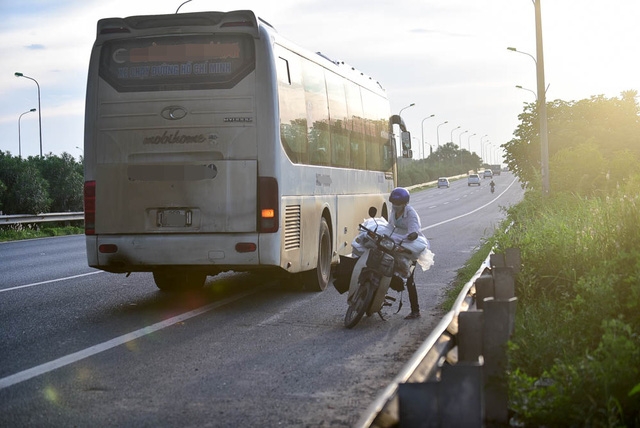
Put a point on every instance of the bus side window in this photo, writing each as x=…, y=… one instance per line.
x=317, y=113
x=338, y=121
x=293, y=116
x=357, y=137
x=377, y=135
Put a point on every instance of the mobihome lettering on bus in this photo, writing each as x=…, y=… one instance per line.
x=213, y=144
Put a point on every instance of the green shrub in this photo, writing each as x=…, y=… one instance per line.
x=575, y=354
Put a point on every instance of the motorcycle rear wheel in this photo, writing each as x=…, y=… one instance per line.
x=361, y=301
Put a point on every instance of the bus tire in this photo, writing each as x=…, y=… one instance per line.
x=317, y=279
x=178, y=281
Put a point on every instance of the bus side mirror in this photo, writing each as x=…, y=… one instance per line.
x=406, y=140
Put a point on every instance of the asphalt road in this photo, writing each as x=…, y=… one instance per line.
x=80, y=347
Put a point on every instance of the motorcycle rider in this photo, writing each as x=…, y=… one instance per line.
x=493, y=185
x=406, y=221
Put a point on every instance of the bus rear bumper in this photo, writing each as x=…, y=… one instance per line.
x=146, y=253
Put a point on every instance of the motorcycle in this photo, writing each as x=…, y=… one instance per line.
x=379, y=261
x=493, y=188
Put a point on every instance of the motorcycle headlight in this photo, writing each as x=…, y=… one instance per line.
x=387, y=243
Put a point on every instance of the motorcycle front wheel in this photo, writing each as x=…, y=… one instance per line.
x=360, y=302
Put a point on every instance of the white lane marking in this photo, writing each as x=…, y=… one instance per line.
x=50, y=281
x=470, y=212
x=101, y=347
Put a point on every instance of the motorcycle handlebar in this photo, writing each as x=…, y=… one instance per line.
x=377, y=236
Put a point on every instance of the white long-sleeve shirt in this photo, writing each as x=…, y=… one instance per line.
x=408, y=222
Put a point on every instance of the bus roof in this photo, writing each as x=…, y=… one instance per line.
x=246, y=20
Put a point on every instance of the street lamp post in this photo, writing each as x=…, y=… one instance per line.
x=512, y=49
x=460, y=144
x=540, y=99
x=19, y=142
x=469, y=142
x=17, y=74
x=404, y=108
x=460, y=138
x=457, y=127
x=542, y=102
x=482, y=146
x=438, y=131
x=525, y=89
x=423, y=133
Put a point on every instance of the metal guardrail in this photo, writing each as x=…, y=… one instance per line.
x=74, y=216
x=40, y=218
x=474, y=353
x=433, y=183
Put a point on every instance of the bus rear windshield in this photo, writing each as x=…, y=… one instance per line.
x=177, y=63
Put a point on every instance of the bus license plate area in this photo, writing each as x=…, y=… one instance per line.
x=174, y=218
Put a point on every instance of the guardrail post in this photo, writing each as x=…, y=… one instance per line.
x=512, y=259
x=503, y=283
x=456, y=400
x=498, y=321
x=469, y=337
x=484, y=287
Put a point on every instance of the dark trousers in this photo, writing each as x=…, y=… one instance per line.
x=413, y=294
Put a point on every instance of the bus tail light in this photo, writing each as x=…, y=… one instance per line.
x=246, y=247
x=268, y=205
x=89, y=207
x=108, y=248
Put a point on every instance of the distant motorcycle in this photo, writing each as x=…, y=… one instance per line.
x=369, y=275
x=493, y=187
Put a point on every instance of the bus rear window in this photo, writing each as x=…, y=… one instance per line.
x=177, y=63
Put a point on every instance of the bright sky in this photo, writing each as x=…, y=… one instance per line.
x=449, y=57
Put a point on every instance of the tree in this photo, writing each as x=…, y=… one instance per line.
x=66, y=180
x=609, y=126
x=583, y=170
x=29, y=194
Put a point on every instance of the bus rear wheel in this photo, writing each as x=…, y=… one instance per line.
x=178, y=281
x=318, y=278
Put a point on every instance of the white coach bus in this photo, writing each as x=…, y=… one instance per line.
x=213, y=144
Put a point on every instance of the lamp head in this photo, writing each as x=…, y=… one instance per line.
x=18, y=74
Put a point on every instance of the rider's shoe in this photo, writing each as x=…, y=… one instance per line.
x=412, y=315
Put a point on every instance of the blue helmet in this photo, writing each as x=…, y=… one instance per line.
x=399, y=196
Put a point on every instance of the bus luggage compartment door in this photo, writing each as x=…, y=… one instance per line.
x=149, y=198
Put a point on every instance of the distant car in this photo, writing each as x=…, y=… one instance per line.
x=488, y=174
x=473, y=179
x=443, y=182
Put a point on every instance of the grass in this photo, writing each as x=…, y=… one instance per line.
x=575, y=354
x=464, y=275
x=39, y=230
